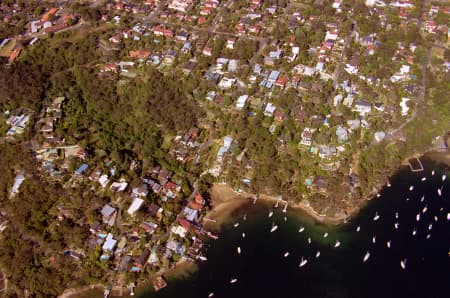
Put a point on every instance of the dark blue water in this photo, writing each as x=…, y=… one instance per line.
x=262, y=270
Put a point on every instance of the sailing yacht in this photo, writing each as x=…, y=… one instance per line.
x=444, y=177
x=374, y=239
x=238, y=250
x=378, y=195
x=285, y=218
x=432, y=172
x=233, y=280
x=337, y=244
x=439, y=191
x=396, y=225
x=325, y=235
x=411, y=188
x=301, y=229
x=211, y=294
x=270, y=214
x=403, y=264
x=428, y=236
x=366, y=257
x=448, y=216
x=376, y=217
x=358, y=228
x=388, y=244
x=396, y=215
x=424, y=178
x=317, y=254
x=424, y=209
x=303, y=262
x=309, y=240
x=286, y=254
x=422, y=198
x=414, y=232
x=274, y=228
x=243, y=235
x=430, y=226
x=236, y=225
x=418, y=217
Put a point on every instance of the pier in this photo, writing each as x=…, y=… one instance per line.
x=415, y=165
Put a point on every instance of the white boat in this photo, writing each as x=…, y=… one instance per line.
x=285, y=207
x=430, y=226
x=374, y=239
x=396, y=215
x=448, y=216
x=376, y=217
x=270, y=214
x=396, y=225
x=303, y=262
x=286, y=254
x=388, y=244
x=358, y=228
x=285, y=218
x=424, y=178
x=202, y=258
x=309, y=240
x=317, y=254
x=238, y=250
x=411, y=188
x=403, y=264
x=233, y=280
x=407, y=199
x=388, y=184
x=274, y=228
x=337, y=244
x=210, y=294
x=366, y=257
x=301, y=229
x=444, y=177
x=236, y=225
x=422, y=198
x=424, y=209
x=244, y=217
x=325, y=235
x=436, y=218
x=428, y=236
x=432, y=172
x=439, y=191
x=243, y=235
x=414, y=232
x=418, y=217
x=378, y=195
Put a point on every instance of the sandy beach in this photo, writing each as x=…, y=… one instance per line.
x=225, y=201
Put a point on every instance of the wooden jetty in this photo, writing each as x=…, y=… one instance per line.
x=415, y=168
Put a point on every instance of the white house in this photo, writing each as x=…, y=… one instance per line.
x=135, y=205
x=241, y=101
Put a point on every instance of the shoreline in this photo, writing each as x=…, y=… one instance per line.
x=225, y=201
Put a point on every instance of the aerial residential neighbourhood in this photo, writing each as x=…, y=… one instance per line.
x=117, y=116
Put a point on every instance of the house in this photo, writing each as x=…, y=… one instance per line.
x=18, y=180
x=404, y=106
x=341, y=134
x=379, y=136
x=14, y=54
x=110, y=243
x=119, y=186
x=207, y=51
x=180, y=5
x=241, y=101
x=362, y=107
x=79, y=172
x=175, y=246
x=279, y=116
x=226, y=83
x=320, y=183
x=109, y=214
x=307, y=136
x=230, y=43
x=327, y=151
x=140, y=262
x=273, y=76
x=135, y=205
x=149, y=227
x=269, y=110
x=140, y=54
x=141, y=190
x=51, y=12
x=189, y=66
